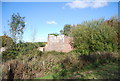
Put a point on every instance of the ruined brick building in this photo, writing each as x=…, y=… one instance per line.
x=60, y=43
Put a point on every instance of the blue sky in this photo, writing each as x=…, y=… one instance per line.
x=43, y=18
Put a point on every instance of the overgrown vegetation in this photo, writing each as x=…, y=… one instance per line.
x=22, y=49
x=6, y=41
x=94, y=36
x=66, y=30
x=55, y=34
x=95, y=54
x=85, y=67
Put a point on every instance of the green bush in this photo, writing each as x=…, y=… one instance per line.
x=40, y=44
x=6, y=41
x=55, y=34
x=94, y=36
x=18, y=49
x=31, y=54
x=10, y=53
x=67, y=67
x=59, y=72
x=54, y=52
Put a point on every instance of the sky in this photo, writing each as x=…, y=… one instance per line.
x=43, y=18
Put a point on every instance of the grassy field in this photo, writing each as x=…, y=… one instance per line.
x=46, y=77
x=106, y=71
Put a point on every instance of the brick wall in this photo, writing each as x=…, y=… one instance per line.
x=60, y=43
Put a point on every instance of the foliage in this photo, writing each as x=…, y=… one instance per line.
x=46, y=77
x=88, y=38
x=59, y=71
x=54, y=52
x=66, y=30
x=10, y=53
x=94, y=36
x=6, y=41
x=40, y=44
x=29, y=56
x=71, y=66
x=18, y=49
x=115, y=22
x=55, y=34
x=107, y=71
x=17, y=24
x=22, y=49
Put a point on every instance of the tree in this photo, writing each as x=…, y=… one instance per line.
x=66, y=30
x=17, y=24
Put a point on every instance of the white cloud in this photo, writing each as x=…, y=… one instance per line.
x=78, y=4
x=98, y=4
x=51, y=22
x=87, y=3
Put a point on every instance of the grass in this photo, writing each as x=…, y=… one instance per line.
x=107, y=71
x=46, y=77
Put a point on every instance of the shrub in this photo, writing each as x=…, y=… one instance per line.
x=40, y=44
x=94, y=36
x=70, y=66
x=55, y=34
x=59, y=71
x=18, y=49
x=30, y=55
x=10, y=53
x=6, y=41
x=54, y=52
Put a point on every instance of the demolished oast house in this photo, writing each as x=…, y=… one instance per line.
x=60, y=43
